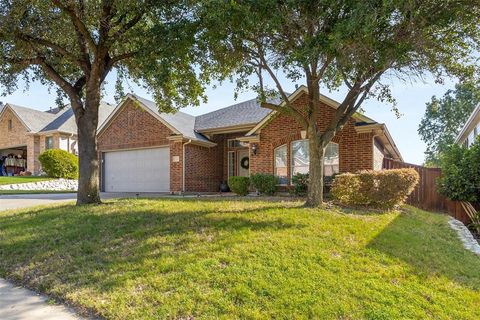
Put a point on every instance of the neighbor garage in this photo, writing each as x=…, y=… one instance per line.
x=140, y=170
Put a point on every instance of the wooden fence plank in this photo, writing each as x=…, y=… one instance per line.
x=426, y=195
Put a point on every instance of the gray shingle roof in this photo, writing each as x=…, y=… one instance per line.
x=35, y=120
x=243, y=113
x=182, y=122
x=65, y=119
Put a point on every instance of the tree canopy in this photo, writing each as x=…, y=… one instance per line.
x=356, y=45
x=74, y=44
x=444, y=118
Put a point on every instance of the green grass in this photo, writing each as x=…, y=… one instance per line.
x=182, y=259
x=15, y=180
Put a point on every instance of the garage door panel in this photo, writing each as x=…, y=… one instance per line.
x=145, y=170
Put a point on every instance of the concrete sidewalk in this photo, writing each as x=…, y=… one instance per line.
x=17, y=303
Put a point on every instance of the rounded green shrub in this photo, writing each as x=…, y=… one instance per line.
x=264, y=183
x=378, y=189
x=239, y=185
x=300, y=184
x=59, y=164
x=460, y=178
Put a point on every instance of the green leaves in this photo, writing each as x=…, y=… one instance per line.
x=444, y=117
x=461, y=173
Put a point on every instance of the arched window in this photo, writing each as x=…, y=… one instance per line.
x=280, y=164
x=331, y=162
x=300, y=159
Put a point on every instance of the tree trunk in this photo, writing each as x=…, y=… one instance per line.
x=317, y=154
x=88, y=182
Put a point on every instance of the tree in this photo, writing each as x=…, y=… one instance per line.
x=460, y=178
x=329, y=44
x=75, y=44
x=444, y=117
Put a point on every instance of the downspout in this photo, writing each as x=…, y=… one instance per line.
x=183, y=165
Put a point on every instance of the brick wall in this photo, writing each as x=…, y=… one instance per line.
x=176, y=168
x=355, y=150
x=131, y=128
x=203, y=168
x=17, y=136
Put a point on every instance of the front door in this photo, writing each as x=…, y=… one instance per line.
x=243, y=163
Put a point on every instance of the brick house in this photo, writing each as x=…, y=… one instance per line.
x=143, y=150
x=26, y=132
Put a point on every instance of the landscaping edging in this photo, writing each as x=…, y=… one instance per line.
x=465, y=235
x=49, y=185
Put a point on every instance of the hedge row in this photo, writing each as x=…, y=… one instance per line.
x=264, y=183
x=379, y=189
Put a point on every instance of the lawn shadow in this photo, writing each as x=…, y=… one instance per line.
x=77, y=246
x=425, y=242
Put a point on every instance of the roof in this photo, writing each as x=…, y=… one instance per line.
x=53, y=120
x=182, y=122
x=468, y=127
x=297, y=93
x=243, y=113
x=33, y=119
x=65, y=119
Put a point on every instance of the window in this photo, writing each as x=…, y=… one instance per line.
x=232, y=143
x=231, y=163
x=280, y=169
x=471, y=139
x=331, y=161
x=10, y=125
x=48, y=143
x=301, y=160
x=300, y=157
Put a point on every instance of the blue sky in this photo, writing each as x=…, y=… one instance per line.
x=411, y=99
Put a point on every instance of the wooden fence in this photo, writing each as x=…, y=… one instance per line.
x=426, y=195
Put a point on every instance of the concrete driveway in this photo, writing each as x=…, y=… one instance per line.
x=17, y=201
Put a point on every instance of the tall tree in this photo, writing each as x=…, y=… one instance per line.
x=329, y=44
x=444, y=118
x=75, y=44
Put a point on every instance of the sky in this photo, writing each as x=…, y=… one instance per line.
x=410, y=97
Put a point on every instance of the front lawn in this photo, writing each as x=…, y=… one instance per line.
x=15, y=180
x=185, y=259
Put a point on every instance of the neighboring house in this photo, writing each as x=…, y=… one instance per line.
x=471, y=129
x=143, y=150
x=28, y=132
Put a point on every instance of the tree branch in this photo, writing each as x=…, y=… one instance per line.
x=291, y=110
x=78, y=23
x=127, y=26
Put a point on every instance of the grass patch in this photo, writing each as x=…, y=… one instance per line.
x=169, y=258
x=15, y=180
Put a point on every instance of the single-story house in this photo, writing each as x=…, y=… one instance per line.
x=471, y=129
x=26, y=133
x=143, y=150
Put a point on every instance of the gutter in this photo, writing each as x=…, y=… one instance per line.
x=183, y=165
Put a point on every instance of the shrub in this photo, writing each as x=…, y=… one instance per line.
x=379, y=189
x=300, y=184
x=460, y=178
x=239, y=185
x=264, y=183
x=59, y=164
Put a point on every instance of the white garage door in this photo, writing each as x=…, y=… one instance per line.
x=144, y=170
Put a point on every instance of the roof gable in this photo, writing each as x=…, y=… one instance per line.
x=179, y=123
x=33, y=120
x=295, y=95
